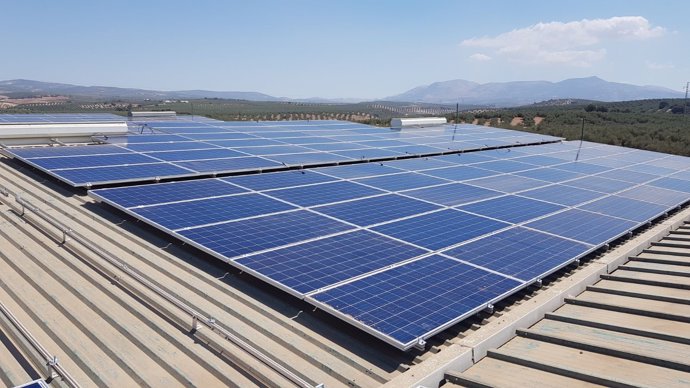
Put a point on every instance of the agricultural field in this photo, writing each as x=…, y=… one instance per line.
x=657, y=125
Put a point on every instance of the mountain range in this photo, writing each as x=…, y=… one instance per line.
x=528, y=92
x=446, y=92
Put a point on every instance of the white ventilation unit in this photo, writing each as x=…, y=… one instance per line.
x=399, y=123
x=14, y=134
x=166, y=114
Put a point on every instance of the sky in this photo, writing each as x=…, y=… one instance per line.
x=342, y=49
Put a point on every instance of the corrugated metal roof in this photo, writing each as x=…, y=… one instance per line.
x=632, y=328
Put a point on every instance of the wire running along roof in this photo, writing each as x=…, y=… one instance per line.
x=403, y=249
x=157, y=150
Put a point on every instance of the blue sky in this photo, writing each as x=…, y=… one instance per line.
x=356, y=49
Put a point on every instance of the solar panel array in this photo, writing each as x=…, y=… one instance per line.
x=183, y=148
x=405, y=248
x=41, y=118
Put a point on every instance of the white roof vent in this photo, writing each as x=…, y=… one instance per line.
x=418, y=122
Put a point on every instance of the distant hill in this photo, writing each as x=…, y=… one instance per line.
x=528, y=92
x=29, y=87
x=467, y=93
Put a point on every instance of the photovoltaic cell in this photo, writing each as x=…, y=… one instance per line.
x=399, y=182
x=279, y=179
x=375, y=210
x=583, y=226
x=459, y=173
x=216, y=153
x=668, y=198
x=324, y=193
x=316, y=264
x=233, y=164
x=206, y=211
x=672, y=184
x=407, y=302
x=236, y=238
x=625, y=208
x=83, y=176
x=508, y=183
x=92, y=161
x=452, y=194
x=511, y=208
x=562, y=195
x=603, y=185
x=167, y=192
x=440, y=229
x=519, y=252
x=43, y=152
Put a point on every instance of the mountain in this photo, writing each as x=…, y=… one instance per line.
x=29, y=87
x=527, y=92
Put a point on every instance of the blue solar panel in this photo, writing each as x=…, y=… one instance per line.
x=178, y=146
x=468, y=158
x=273, y=150
x=520, y=252
x=307, y=249
x=147, y=138
x=625, y=208
x=452, y=194
x=83, y=176
x=504, y=166
x=417, y=164
x=42, y=152
x=603, y=185
x=221, y=135
x=669, y=198
x=408, y=302
x=584, y=168
x=91, y=161
x=672, y=184
x=584, y=226
x=358, y=170
x=511, y=208
x=403, y=181
x=508, y=183
x=284, y=143
x=214, y=153
x=563, y=195
x=684, y=175
x=324, y=193
x=539, y=160
x=313, y=265
x=206, y=211
x=653, y=170
x=236, y=238
x=245, y=143
x=279, y=179
x=459, y=173
x=550, y=174
x=230, y=164
x=308, y=158
x=167, y=192
x=440, y=229
x=368, y=153
x=375, y=210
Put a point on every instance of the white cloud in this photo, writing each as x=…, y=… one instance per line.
x=480, y=57
x=659, y=66
x=574, y=43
